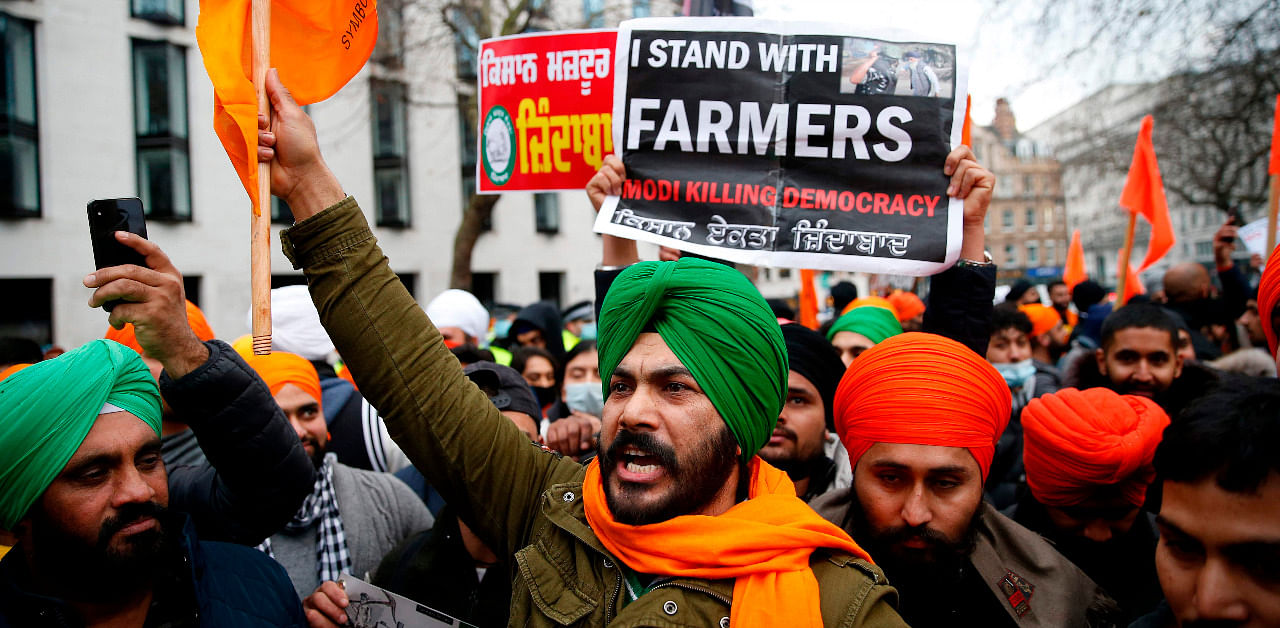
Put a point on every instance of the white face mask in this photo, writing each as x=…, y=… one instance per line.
x=1016, y=374
x=585, y=397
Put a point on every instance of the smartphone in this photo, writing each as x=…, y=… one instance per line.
x=107, y=216
x=1236, y=219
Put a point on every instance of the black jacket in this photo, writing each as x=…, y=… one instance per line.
x=959, y=305
x=206, y=583
x=546, y=317
x=258, y=473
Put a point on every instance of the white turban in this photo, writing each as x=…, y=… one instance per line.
x=459, y=308
x=295, y=324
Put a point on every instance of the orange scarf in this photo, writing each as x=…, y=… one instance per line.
x=764, y=543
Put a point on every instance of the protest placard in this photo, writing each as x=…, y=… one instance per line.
x=1254, y=237
x=790, y=144
x=545, y=114
x=369, y=606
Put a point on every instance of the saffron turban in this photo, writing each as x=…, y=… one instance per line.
x=1268, y=295
x=279, y=368
x=876, y=301
x=1043, y=318
x=906, y=304
x=922, y=389
x=719, y=327
x=195, y=318
x=5, y=373
x=49, y=407
x=874, y=322
x=1075, y=442
x=459, y=308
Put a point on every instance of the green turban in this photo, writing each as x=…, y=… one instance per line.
x=49, y=407
x=719, y=327
x=876, y=323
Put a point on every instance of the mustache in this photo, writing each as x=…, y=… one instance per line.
x=784, y=431
x=130, y=514
x=931, y=537
x=665, y=454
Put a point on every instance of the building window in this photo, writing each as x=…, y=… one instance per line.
x=1204, y=249
x=1050, y=253
x=281, y=213
x=466, y=45
x=1033, y=254
x=1030, y=217
x=640, y=8
x=19, y=137
x=1006, y=222
x=1048, y=219
x=28, y=311
x=160, y=128
x=1028, y=182
x=550, y=286
x=291, y=279
x=1010, y=255
x=389, y=49
x=546, y=212
x=593, y=13
x=390, y=163
x=485, y=287
x=191, y=288
x=784, y=273
x=171, y=12
x=409, y=281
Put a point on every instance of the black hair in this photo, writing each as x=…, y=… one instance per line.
x=17, y=350
x=1139, y=315
x=520, y=358
x=1087, y=294
x=1006, y=316
x=470, y=354
x=1232, y=434
x=843, y=294
x=582, y=347
x=1055, y=283
x=781, y=309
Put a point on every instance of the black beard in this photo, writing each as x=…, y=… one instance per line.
x=916, y=573
x=98, y=573
x=798, y=469
x=695, y=481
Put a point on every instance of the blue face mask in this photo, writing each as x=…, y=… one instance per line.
x=501, y=328
x=1016, y=374
x=588, y=331
x=585, y=397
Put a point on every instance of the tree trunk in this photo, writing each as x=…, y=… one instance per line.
x=464, y=241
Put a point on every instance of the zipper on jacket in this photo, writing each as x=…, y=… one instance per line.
x=691, y=587
x=617, y=588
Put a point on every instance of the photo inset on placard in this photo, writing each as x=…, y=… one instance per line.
x=873, y=67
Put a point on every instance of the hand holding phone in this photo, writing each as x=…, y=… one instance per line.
x=107, y=216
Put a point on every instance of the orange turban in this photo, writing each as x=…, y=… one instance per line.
x=1077, y=441
x=922, y=389
x=195, y=318
x=1268, y=295
x=876, y=301
x=906, y=304
x=1043, y=318
x=5, y=372
x=278, y=368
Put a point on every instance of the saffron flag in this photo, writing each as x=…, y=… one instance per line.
x=1132, y=285
x=1274, y=166
x=316, y=45
x=965, y=137
x=1144, y=194
x=808, y=300
x=1075, y=271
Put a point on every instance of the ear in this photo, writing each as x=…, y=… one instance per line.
x=1100, y=356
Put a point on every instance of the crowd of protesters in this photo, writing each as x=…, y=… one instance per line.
x=674, y=452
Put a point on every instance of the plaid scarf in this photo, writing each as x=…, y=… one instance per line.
x=332, y=555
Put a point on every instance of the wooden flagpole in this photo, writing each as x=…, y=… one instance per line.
x=1124, y=260
x=260, y=229
x=1272, y=206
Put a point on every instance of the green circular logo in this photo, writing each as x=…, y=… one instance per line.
x=498, y=145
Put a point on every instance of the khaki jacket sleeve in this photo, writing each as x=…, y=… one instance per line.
x=485, y=468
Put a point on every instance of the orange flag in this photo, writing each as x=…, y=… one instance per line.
x=1144, y=194
x=1075, y=271
x=965, y=137
x=1274, y=166
x=316, y=45
x=1132, y=285
x=808, y=300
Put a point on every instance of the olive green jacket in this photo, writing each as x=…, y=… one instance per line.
x=524, y=501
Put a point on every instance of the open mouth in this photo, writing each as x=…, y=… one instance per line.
x=638, y=465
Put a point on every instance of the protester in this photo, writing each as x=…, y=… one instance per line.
x=842, y=294
x=180, y=446
x=460, y=318
x=920, y=416
x=448, y=568
x=1022, y=292
x=922, y=78
x=1060, y=300
x=667, y=449
x=1191, y=294
x=909, y=308
x=538, y=325
x=14, y=350
x=1088, y=463
x=542, y=372
x=352, y=517
x=1092, y=308
x=1138, y=356
x=575, y=418
x=83, y=487
x=1220, y=516
x=860, y=329
x=797, y=445
x=579, y=324
x=1050, y=337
